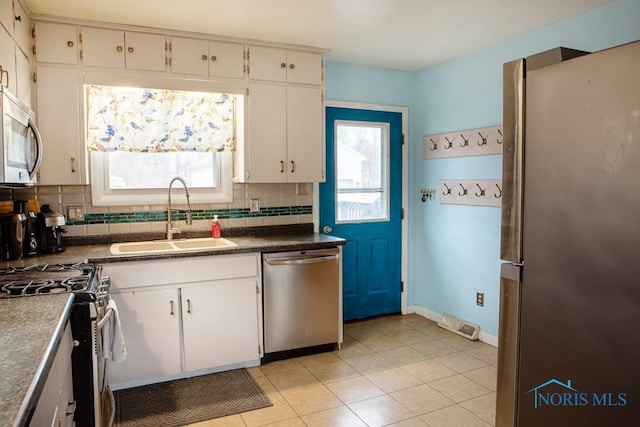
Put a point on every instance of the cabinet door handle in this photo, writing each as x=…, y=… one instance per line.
x=213, y=58
x=172, y=312
x=73, y=165
x=188, y=306
x=283, y=65
x=119, y=48
x=4, y=72
x=130, y=50
x=293, y=167
x=204, y=57
x=281, y=166
x=19, y=18
x=292, y=66
x=70, y=43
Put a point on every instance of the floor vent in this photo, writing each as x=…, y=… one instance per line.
x=461, y=327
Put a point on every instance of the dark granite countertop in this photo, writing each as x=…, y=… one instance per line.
x=30, y=332
x=99, y=253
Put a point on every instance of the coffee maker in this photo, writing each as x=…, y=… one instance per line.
x=30, y=239
x=12, y=235
x=50, y=228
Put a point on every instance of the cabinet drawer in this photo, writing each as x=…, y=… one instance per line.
x=135, y=274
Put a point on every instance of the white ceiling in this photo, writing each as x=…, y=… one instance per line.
x=407, y=35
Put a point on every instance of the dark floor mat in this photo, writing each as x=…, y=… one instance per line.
x=191, y=400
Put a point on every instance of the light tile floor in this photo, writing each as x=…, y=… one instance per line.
x=401, y=371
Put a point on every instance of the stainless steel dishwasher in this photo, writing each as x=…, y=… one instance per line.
x=301, y=302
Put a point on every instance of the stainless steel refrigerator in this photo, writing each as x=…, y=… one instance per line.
x=569, y=338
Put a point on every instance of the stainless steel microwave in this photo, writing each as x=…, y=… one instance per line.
x=20, y=143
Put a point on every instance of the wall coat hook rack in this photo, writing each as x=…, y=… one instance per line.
x=477, y=197
x=472, y=142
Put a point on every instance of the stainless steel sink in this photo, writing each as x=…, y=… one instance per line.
x=159, y=246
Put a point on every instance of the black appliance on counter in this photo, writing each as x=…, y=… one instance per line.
x=30, y=236
x=12, y=234
x=89, y=313
x=50, y=228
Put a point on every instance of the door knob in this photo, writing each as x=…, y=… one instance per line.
x=327, y=229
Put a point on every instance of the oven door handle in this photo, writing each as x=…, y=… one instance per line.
x=105, y=319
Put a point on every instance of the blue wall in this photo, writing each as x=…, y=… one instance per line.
x=454, y=250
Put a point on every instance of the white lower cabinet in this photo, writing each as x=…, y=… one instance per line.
x=186, y=315
x=220, y=323
x=56, y=405
x=150, y=320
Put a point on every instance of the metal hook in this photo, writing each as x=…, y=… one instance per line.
x=498, y=139
x=481, y=191
x=484, y=140
x=466, y=141
x=464, y=191
x=435, y=146
x=497, y=196
x=446, y=193
x=449, y=143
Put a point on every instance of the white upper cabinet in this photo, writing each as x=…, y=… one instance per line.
x=22, y=24
x=119, y=49
x=102, y=48
x=280, y=65
x=7, y=61
x=207, y=58
x=145, y=51
x=6, y=15
x=59, y=98
x=285, y=134
x=23, y=78
x=56, y=43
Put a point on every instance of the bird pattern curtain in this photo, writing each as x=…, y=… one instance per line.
x=158, y=120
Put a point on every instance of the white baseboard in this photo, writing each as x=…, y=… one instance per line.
x=432, y=315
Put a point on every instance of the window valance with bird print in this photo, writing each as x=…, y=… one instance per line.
x=158, y=120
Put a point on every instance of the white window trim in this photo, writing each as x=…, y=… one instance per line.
x=102, y=195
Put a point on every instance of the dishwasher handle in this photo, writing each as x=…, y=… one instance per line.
x=300, y=260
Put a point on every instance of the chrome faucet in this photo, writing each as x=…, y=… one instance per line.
x=171, y=230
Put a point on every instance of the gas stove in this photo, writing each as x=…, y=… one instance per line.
x=88, y=314
x=83, y=279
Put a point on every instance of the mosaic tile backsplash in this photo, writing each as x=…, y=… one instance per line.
x=280, y=204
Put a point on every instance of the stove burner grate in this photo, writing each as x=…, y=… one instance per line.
x=33, y=287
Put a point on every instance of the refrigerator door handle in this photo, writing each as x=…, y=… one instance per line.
x=508, y=345
x=512, y=160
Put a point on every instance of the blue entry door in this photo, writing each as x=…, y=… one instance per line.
x=361, y=201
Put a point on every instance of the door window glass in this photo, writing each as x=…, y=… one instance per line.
x=361, y=171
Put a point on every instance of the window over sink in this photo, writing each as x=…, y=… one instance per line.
x=139, y=138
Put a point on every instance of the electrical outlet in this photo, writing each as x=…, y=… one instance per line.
x=255, y=205
x=480, y=299
x=75, y=213
x=71, y=213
